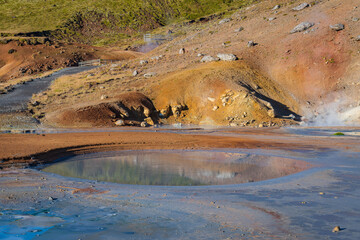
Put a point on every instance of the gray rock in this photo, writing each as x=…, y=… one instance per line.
x=301, y=7
x=143, y=62
x=276, y=7
x=227, y=57
x=144, y=124
x=251, y=44
x=357, y=38
x=149, y=75
x=157, y=57
x=355, y=19
x=271, y=19
x=135, y=73
x=209, y=58
x=337, y=27
x=302, y=27
x=225, y=20
x=182, y=51
x=120, y=122
x=239, y=29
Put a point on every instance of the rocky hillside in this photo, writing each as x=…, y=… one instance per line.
x=267, y=64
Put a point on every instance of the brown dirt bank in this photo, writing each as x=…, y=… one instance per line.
x=18, y=60
x=19, y=150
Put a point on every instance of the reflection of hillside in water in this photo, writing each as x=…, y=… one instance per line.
x=177, y=168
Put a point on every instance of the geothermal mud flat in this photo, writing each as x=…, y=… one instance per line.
x=305, y=205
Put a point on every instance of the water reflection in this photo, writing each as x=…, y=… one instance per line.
x=181, y=168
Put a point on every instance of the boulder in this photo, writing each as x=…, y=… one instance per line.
x=120, y=122
x=276, y=7
x=251, y=44
x=227, y=57
x=302, y=27
x=337, y=27
x=209, y=58
x=144, y=124
x=301, y=7
x=225, y=20
x=239, y=29
x=149, y=75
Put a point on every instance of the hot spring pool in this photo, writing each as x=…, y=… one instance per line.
x=176, y=168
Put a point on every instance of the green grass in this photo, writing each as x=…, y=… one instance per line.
x=339, y=134
x=40, y=15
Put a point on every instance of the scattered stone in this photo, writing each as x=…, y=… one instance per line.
x=157, y=57
x=103, y=97
x=292, y=116
x=209, y=58
x=215, y=108
x=149, y=75
x=225, y=20
x=321, y=193
x=211, y=99
x=227, y=57
x=301, y=7
x=233, y=125
x=337, y=27
x=251, y=44
x=200, y=55
x=358, y=38
x=302, y=27
x=271, y=19
x=52, y=199
x=261, y=125
x=143, y=62
x=336, y=229
x=120, y=122
x=11, y=51
x=276, y=7
x=135, y=73
x=102, y=87
x=239, y=29
x=182, y=51
x=144, y=124
x=355, y=19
